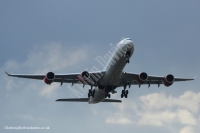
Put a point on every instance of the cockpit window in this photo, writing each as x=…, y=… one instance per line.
x=128, y=38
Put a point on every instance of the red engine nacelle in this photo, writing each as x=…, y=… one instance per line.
x=168, y=80
x=84, y=76
x=48, y=79
x=142, y=78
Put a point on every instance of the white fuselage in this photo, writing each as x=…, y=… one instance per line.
x=114, y=69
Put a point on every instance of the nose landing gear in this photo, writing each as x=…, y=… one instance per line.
x=127, y=60
x=127, y=55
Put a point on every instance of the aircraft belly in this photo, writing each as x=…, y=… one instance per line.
x=114, y=68
x=113, y=74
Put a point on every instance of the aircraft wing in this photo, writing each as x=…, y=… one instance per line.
x=86, y=100
x=62, y=78
x=131, y=79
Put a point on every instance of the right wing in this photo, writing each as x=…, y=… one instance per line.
x=133, y=76
x=131, y=79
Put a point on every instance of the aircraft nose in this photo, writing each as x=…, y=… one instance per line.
x=129, y=46
x=129, y=43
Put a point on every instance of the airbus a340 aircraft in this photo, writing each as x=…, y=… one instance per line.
x=106, y=81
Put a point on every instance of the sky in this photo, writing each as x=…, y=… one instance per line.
x=66, y=36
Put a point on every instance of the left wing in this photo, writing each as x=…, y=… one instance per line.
x=42, y=76
x=63, y=78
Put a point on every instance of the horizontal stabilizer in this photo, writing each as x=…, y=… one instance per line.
x=112, y=100
x=73, y=100
x=86, y=100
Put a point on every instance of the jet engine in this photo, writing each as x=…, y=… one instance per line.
x=168, y=80
x=48, y=79
x=142, y=78
x=84, y=76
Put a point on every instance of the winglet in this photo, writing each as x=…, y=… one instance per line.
x=195, y=77
x=7, y=73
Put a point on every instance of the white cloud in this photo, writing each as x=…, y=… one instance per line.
x=186, y=117
x=188, y=100
x=49, y=90
x=11, y=65
x=123, y=116
x=52, y=57
x=157, y=109
x=156, y=118
x=10, y=84
x=160, y=109
x=26, y=117
x=160, y=118
x=118, y=119
x=121, y=120
x=187, y=129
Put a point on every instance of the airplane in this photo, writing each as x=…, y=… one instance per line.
x=107, y=80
